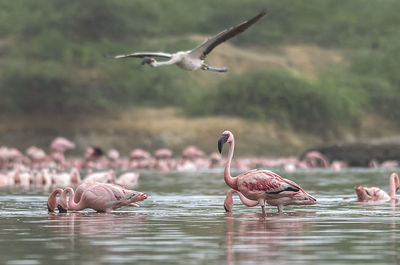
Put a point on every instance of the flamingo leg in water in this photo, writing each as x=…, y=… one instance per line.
x=262, y=203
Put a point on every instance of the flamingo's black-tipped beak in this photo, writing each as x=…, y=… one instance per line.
x=61, y=209
x=226, y=209
x=221, y=142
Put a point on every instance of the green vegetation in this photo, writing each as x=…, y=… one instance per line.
x=52, y=59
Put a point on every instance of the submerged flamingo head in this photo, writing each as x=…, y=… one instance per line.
x=135, y=196
x=362, y=193
x=226, y=137
x=303, y=198
x=228, y=203
x=52, y=201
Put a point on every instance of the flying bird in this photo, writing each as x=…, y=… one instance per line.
x=194, y=59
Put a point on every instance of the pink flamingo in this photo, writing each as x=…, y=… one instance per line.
x=129, y=179
x=301, y=198
x=257, y=185
x=376, y=194
x=102, y=176
x=61, y=144
x=192, y=152
x=101, y=197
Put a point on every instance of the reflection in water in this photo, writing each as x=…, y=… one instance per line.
x=250, y=237
x=91, y=224
x=96, y=235
x=184, y=223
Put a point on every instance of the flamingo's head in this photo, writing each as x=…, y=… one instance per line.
x=362, y=193
x=226, y=137
x=303, y=198
x=61, y=209
x=135, y=196
x=228, y=203
x=147, y=60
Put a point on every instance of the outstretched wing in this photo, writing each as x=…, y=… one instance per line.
x=143, y=54
x=206, y=47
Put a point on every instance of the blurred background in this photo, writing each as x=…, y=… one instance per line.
x=310, y=73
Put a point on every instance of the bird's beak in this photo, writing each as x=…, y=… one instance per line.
x=221, y=142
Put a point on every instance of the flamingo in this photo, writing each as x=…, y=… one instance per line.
x=258, y=185
x=101, y=197
x=129, y=179
x=194, y=59
x=301, y=198
x=376, y=194
x=102, y=176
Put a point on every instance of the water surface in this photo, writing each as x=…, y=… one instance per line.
x=183, y=222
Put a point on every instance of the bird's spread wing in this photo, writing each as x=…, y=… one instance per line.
x=206, y=47
x=143, y=54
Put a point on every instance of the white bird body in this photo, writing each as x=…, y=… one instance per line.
x=194, y=59
x=184, y=61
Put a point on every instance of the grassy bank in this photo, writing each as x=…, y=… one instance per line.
x=151, y=128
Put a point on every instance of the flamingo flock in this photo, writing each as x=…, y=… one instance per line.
x=102, y=190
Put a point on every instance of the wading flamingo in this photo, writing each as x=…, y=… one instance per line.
x=376, y=194
x=257, y=185
x=101, y=197
x=194, y=59
x=301, y=198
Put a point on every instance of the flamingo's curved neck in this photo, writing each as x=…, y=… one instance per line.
x=52, y=201
x=394, y=185
x=245, y=201
x=231, y=182
x=72, y=205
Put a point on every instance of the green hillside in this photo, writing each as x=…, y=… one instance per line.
x=314, y=66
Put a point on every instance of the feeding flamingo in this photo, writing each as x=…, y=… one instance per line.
x=194, y=59
x=376, y=194
x=101, y=197
x=257, y=185
x=52, y=200
x=301, y=198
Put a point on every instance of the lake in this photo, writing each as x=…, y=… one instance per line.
x=183, y=222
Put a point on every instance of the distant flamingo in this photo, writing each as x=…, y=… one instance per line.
x=257, y=185
x=301, y=198
x=192, y=152
x=101, y=197
x=61, y=144
x=102, y=176
x=139, y=154
x=129, y=179
x=376, y=194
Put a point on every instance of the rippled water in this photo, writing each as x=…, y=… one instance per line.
x=183, y=222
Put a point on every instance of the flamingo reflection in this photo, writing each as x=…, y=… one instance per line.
x=249, y=237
